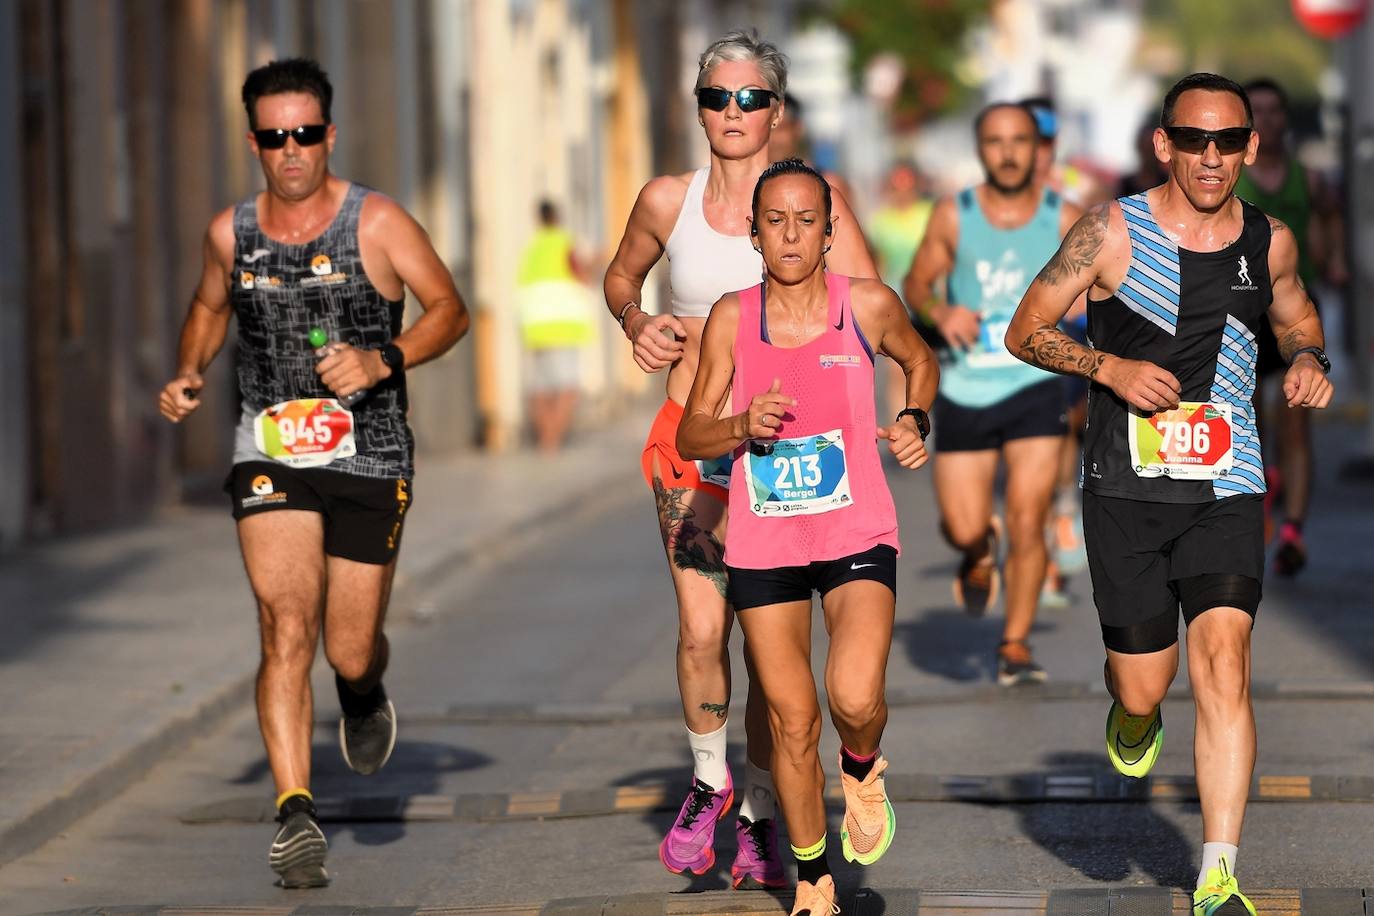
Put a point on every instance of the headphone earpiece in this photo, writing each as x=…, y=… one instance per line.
x=753, y=230
x=829, y=227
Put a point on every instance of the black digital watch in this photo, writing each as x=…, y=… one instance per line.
x=921, y=417
x=394, y=359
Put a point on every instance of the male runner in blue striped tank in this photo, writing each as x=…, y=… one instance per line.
x=989, y=240
x=1179, y=280
x=319, y=486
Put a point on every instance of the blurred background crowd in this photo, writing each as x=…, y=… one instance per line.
x=519, y=133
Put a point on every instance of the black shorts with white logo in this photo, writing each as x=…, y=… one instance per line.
x=759, y=587
x=363, y=516
x=1151, y=560
x=1037, y=410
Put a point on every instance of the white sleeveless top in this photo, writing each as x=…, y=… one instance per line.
x=704, y=265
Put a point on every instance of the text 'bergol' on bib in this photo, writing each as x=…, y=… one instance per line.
x=803, y=476
x=1190, y=442
x=305, y=433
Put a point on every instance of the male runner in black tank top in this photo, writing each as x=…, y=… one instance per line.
x=319, y=488
x=1179, y=280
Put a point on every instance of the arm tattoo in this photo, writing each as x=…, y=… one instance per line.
x=1290, y=344
x=1080, y=247
x=1052, y=349
x=1276, y=226
x=719, y=709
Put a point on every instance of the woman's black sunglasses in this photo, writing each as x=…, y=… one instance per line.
x=1230, y=141
x=747, y=99
x=305, y=135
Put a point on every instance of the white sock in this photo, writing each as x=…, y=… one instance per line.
x=1212, y=854
x=759, y=803
x=709, y=754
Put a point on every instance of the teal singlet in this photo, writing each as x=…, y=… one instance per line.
x=992, y=270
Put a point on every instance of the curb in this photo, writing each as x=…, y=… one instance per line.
x=109, y=778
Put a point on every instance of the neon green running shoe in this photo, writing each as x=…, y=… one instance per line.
x=1133, y=742
x=1220, y=896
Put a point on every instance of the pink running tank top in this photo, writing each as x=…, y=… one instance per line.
x=821, y=494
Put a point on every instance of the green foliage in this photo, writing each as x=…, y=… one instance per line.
x=928, y=37
x=1242, y=40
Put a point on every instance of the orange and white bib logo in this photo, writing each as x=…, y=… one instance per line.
x=321, y=266
x=262, y=485
x=246, y=279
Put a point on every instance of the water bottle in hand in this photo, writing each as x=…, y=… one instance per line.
x=323, y=347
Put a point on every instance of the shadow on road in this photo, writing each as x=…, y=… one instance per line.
x=950, y=644
x=414, y=769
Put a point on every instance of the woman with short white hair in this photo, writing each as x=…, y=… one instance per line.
x=700, y=220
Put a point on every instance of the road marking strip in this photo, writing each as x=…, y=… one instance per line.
x=1013, y=788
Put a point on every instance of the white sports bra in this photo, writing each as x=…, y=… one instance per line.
x=704, y=265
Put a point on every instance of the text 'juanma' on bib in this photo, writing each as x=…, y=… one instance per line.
x=990, y=350
x=305, y=433
x=803, y=476
x=1190, y=442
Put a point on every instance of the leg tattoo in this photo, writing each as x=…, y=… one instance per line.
x=690, y=546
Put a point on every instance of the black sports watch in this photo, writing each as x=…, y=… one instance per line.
x=393, y=357
x=921, y=417
x=1317, y=353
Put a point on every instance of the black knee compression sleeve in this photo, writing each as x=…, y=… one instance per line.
x=1202, y=593
x=1152, y=635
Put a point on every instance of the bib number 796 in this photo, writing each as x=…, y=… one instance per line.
x=1185, y=437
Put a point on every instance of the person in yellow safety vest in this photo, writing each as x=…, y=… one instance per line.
x=555, y=326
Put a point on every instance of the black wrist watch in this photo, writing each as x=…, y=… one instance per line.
x=921, y=417
x=394, y=359
x=1318, y=354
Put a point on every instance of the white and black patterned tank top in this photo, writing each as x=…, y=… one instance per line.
x=279, y=293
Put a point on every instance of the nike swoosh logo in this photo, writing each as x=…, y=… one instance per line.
x=258, y=254
x=677, y=475
x=1143, y=745
x=861, y=565
x=840, y=326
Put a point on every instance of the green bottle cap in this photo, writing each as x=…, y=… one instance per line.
x=318, y=338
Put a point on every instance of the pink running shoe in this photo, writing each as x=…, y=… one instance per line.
x=690, y=843
x=757, y=865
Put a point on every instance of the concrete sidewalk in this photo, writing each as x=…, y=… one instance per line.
x=121, y=647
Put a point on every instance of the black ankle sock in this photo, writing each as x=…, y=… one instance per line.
x=813, y=870
x=859, y=769
x=295, y=803
x=356, y=704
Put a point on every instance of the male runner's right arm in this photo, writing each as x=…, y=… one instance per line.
x=933, y=260
x=1095, y=248
x=646, y=233
x=703, y=433
x=207, y=321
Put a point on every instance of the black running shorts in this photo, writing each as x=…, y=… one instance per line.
x=1034, y=411
x=1150, y=560
x=759, y=587
x=363, y=516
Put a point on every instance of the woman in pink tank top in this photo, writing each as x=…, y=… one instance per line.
x=699, y=219
x=810, y=510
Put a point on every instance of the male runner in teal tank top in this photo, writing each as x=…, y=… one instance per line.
x=1179, y=281
x=989, y=240
x=320, y=486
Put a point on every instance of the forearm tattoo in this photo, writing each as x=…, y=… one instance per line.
x=1291, y=343
x=1052, y=349
x=718, y=709
x=1079, y=248
x=688, y=545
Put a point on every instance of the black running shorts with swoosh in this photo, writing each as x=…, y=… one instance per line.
x=748, y=588
x=1151, y=560
x=363, y=516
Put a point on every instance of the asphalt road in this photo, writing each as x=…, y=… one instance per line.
x=583, y=625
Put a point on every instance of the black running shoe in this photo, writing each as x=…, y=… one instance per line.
x=299, y=848
x=367, y=728
x=977, y=582
x=1016, y=665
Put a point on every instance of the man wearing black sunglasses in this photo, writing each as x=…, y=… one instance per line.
x=320, y=483
x=1180, y=279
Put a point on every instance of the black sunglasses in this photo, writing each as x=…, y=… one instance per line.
x=305, y=135
x=1196, y=140
x=747, y=99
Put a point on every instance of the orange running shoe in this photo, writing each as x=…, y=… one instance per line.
x=869, y=821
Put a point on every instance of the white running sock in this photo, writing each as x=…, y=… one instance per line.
x=709, y=753
x=1212, y=854
x=759, y=800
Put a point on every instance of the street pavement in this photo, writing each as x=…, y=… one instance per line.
x=540, y=755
